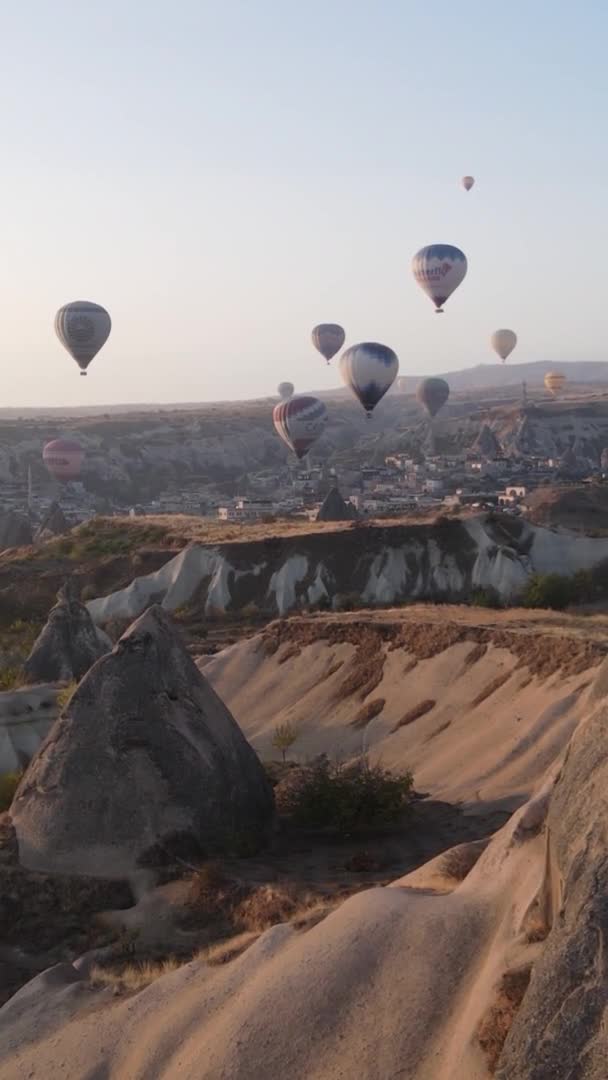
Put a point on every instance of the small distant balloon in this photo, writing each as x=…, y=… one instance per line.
x=467, y=182
x=432, y=394
x=503, y=342
x=83, y=329
x=369, y=370
x=63, y=458
x=328, y=339
x=299, y=422
x=439, y=269
x=285, y=390
x=554, y=382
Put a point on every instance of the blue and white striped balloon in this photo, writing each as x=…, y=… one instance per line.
x=439, y=269
x=369, y=369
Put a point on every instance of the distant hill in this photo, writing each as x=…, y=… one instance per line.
x=483, y=376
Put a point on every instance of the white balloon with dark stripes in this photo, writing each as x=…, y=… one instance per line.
x=83, y=329
x=299, y=422
x=439, y=269
x=369, y=370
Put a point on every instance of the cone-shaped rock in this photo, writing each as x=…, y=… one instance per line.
x=334, y=508
x=486, y=443
x=69, y=643
x=146, y=760
x=54, y=523
x=15, y=530
x=569, y=463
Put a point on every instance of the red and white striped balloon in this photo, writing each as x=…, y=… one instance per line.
x=299, y=422
x=63, y=458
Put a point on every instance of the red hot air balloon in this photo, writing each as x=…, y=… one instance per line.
x=63, y=458
x=299, y=422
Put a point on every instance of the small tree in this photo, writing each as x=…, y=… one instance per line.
x=285, y=735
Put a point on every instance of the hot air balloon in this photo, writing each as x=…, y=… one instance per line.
x=439, y=269
x=369, y=369
x=467, y=182
x=328, y=339
x=63, y=458
x=285, y=390
x=433, y=394
x=299, y=422
x=554, y=382
x=82, y=328
x=503, y=342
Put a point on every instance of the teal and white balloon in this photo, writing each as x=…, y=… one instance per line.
x=83, y=329
x=439, y=269
x=369, y=370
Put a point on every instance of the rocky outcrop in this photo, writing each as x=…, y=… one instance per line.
x=69, y=643
x=145, y=762
x=53, y=524
x=15, y=530
x=561, y=1030
x=376, y=564
x=334, y=508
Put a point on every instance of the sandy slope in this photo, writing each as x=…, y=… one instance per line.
x=392, y=984
x=497, y=749
x=395, y=982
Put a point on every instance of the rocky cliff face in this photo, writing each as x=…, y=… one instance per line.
x=371, y=565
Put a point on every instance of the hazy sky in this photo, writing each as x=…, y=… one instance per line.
x=221, y=176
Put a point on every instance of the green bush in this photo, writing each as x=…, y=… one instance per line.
x=343, y=798
x=9, y=782
x=549, y=591
x=285, y=735
x=65, y=695
x=11, y=678
x=486, y=598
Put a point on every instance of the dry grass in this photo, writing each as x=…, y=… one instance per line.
x=222, y=952
x=289, y=653
x=438, y=731
x=332, y=669
x=498, y=1020
x=491, y=688
x=458, y=862
x=476, y=653
x=421, y=709
x=133, y=977
x=365, y=669
x=65, y=695
x=369, y=711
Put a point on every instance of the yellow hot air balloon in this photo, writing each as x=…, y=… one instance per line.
x=554, y=382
